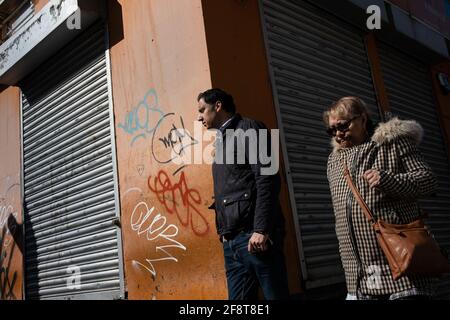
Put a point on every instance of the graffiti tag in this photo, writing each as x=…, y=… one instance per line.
x=175, y=140
x=154, y=226
x=168, y=192
x=8, y=228
x=144, y=221
x=143, y=119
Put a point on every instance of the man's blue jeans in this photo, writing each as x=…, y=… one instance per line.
x=246, y=270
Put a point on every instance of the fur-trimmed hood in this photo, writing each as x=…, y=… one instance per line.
x=391, y=130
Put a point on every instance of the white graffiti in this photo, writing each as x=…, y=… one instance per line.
x=5, y=210
x=146, y=222
x=7, y=201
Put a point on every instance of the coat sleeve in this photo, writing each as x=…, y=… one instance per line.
x=414, y=179
x=267, y=185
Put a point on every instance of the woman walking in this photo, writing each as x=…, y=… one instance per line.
x=391, y=176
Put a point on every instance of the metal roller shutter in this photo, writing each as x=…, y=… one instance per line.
x=71, y=206
x=314, y=59
x=18, y=18
x=411, y=97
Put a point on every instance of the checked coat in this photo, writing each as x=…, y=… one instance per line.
x=404, y=177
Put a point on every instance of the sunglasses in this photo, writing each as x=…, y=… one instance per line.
x=342, y=127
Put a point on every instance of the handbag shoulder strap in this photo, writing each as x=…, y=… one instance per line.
x=357, y=195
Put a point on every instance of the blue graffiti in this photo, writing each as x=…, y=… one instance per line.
x=142, y=120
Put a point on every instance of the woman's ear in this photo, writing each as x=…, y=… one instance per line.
x=364, y=119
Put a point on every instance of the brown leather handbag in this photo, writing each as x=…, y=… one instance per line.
x=409, y=248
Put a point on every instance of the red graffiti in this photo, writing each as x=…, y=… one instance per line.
x=167, y=194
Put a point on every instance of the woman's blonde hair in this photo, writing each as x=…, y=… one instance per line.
x=346, y=107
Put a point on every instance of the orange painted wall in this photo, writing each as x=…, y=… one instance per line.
x=443, y=100
x=39, y=4
x=11, y=271
x=238, y=65
x=159, y=64
x=377, y=73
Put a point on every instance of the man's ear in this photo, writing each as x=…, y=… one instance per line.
x=218, y=106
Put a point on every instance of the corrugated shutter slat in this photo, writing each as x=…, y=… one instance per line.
x=410, y=94
x=69, y=179
x=315, y=60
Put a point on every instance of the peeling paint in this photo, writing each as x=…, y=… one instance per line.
x=55, y=9
x=18, y=39
x=35, y=31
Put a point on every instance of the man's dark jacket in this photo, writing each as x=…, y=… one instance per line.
x=245, y=200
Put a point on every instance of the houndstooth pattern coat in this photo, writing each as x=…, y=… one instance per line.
x=404, y=177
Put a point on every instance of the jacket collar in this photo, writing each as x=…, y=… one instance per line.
x=232, y=123
x=392, y=130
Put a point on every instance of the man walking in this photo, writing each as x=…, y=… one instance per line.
x=248, y=214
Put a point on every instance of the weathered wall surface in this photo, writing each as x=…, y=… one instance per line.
x=238, y=65
x=159, y=64
x=39, y=4
x=11, y=271
x=443, y=100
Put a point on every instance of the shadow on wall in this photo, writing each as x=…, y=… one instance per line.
x=30, y=278
x=115, y=20
x=8, y=248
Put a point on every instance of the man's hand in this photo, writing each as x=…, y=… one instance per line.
x=258, y=242
x=372, y=176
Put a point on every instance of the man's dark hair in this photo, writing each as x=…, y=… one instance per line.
x=211, y=96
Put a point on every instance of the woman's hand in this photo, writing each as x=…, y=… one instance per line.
x=372, y=176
